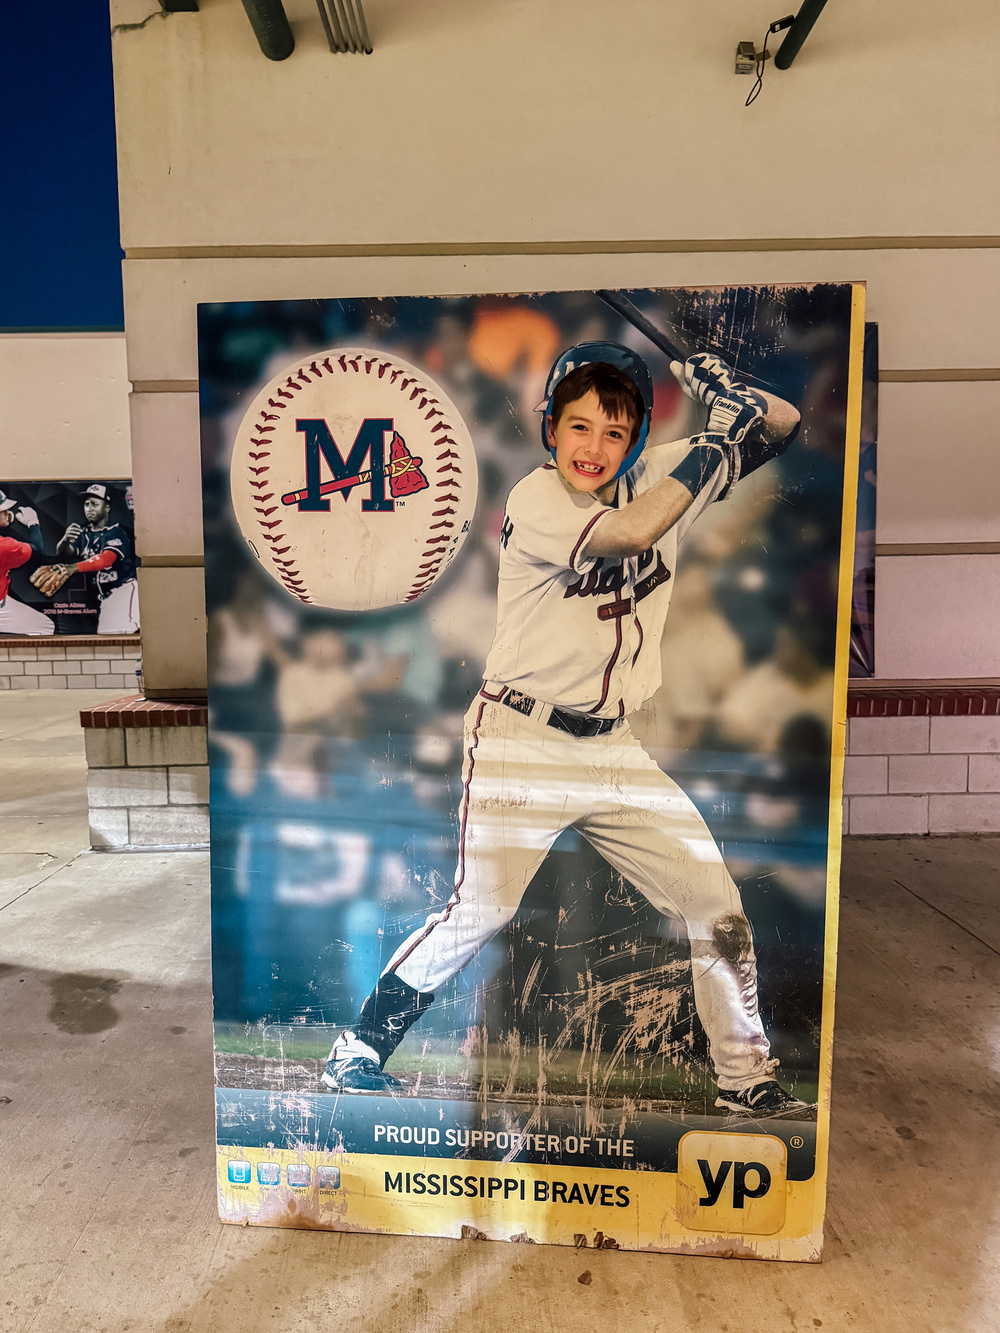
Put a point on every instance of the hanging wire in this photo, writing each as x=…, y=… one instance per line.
x=761, y=61
x=779, y=25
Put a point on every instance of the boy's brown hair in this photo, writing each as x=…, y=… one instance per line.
x=618, y=395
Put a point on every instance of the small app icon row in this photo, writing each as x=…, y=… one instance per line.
x=269, y=1173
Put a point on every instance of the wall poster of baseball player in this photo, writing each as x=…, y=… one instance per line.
x=67, y=558
x=528, y=655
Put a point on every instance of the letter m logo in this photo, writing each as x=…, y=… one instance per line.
x=368, y=443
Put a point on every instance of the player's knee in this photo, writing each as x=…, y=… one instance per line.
x=732, y=938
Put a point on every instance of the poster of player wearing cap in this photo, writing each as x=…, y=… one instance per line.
x=527, y=686
x=70, y=558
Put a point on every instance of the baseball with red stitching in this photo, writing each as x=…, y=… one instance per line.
x=354, y=479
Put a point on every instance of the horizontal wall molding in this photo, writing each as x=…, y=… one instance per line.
x=866, y=684
x=65, y=331
x=949, y=375
x=957, y=375
x=172, y=561
x=883, y=549
x=721, y=246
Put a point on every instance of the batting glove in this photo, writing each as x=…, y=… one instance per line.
x=703, y=377
x=735, y=413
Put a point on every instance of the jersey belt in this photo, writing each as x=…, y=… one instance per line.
x=562, y=719
x=626, y=606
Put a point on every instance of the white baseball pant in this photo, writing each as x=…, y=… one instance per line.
x=524, y=782
x=120, y=610
x=17, y=618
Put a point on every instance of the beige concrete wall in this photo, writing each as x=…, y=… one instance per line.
x=479, y=134
x=555, y=120
x=65, y=406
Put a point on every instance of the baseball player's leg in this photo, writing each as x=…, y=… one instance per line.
x=17, y=618
x=120, y=610
x=516, y=801
x=651, y=832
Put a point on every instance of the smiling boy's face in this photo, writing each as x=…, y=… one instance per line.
x=589, y=445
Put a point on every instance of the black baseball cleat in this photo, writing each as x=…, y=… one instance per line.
x=357, y=1074
x=767, y=1098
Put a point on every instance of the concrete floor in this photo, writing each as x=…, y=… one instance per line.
x=108, y=1220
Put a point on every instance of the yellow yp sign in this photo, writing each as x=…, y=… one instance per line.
x=731, y=1183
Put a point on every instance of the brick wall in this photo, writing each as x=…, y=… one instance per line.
x=147, y=779
x=69, y=663
x=928, y=762
x=919, y=760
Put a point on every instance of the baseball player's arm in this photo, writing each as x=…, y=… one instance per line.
x=67, y=543
x=103, y=561
x=713, y=460
x=778, y=429
x=50, y=578
x=705, y=378
x=13, y=553
x=780, y=420
x=634, y=529
x=28, y=518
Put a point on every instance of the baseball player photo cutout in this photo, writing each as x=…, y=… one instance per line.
x=527, y=653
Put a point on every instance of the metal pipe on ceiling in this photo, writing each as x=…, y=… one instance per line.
x=345, y=26
x=270, y=24
x=798, y=32
x=366, y=45
x=350, y=24
x=325, y=20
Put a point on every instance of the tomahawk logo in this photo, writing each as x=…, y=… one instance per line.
x=402, y=471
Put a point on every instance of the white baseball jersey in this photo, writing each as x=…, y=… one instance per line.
x=584, y=634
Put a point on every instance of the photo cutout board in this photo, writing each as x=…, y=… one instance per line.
x=528, y=650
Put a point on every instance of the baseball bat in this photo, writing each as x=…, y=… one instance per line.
x=393, y=470
x=624, y=307
x=631, y=312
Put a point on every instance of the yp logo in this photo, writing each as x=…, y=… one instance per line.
x=731, y=1183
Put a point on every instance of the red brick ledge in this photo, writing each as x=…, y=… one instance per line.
x=865, y=699
x=70, y=640
x=869, y=699
x=135, y=711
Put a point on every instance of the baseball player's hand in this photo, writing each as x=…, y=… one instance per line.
x=50, y=578
x=703, y=377
x=72, y=532
x=735, y=413
x=26, y=515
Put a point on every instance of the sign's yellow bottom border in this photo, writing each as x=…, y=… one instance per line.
x=627, y=1210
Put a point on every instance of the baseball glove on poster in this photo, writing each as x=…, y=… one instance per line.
x=50, y=578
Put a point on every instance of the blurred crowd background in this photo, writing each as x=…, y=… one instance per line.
x=336, y=738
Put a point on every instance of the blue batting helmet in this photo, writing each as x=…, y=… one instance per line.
x=623, y=359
